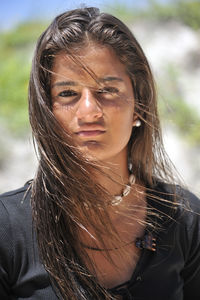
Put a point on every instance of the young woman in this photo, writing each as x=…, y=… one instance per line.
x=103, y=218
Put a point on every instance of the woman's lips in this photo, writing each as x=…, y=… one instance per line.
x=89, y=133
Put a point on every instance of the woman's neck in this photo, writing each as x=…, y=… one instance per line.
x=113, y=177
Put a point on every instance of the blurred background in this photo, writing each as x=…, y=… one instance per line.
x=168, y=31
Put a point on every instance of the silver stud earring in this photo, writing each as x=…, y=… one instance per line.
x=138, y=123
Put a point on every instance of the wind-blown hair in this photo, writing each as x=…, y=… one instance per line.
x=64, y=180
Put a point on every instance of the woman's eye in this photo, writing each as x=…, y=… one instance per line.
x=67, y=93
x=108, y=90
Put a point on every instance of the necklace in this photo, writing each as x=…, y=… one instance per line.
x=148, y=241
x=108, y=249
x=118, y=198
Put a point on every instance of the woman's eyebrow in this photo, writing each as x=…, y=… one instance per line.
x=110, y=78
x=64, y=83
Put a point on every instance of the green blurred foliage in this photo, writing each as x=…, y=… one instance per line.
x=124, y=12
x=174, y=108
x=186, y=11
x=13, y=92
x=16, y=49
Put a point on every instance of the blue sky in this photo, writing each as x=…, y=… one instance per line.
x=15, y=11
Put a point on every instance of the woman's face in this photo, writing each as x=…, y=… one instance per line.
x=97, y=113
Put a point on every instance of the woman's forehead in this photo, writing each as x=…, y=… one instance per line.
x=96, y=63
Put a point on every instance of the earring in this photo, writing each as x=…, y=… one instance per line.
x=138, y=123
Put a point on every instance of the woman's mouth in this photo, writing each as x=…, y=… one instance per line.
x=90, y=133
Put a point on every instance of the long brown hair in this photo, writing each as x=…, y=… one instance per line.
x=63, y=183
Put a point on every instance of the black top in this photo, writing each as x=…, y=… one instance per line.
x=172, y=272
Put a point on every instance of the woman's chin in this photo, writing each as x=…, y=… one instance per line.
x=92, y=150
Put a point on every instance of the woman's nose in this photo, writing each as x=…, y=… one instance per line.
x=89, y=110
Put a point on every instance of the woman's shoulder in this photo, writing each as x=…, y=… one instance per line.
x=15, y=228
x=177, y=194
x=15, y=211
x=16, y=198
x=182, y=200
